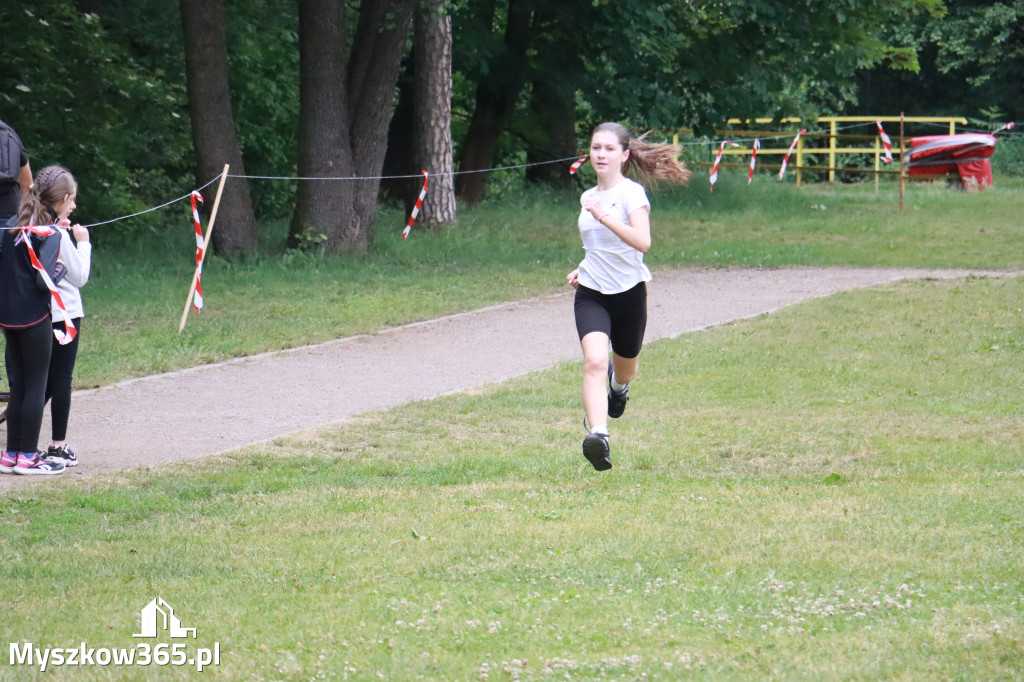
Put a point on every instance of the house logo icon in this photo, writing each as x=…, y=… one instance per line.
x=158, y=615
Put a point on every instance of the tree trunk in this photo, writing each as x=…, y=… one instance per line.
x=322, y=207
x=549, y=125
x=552, y=135
x=399, y=159
x=213, y=126
x=432, y=59
x=495, y=102
x=344, y=114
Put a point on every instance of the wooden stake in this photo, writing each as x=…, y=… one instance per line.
x=878, y=165
x=901, y=162
x=206, y=245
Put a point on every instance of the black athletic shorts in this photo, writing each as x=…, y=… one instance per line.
x=622, y=317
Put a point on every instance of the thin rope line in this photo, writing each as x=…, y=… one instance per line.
x=980, y=131
x=989, y=131
x=400, y=177
x=155, y=208
x=133, y=215
x=271, y=177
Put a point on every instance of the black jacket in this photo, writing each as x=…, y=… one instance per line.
x=24, y=298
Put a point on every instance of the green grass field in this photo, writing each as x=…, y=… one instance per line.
x=828, y=492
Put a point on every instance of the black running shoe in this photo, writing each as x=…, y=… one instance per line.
x=64, y=454
x=616, y=399
x=597, y=451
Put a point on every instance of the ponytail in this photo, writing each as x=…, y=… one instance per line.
x=657, y=161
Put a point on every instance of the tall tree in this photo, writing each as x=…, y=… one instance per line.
x=399, y=162
x=213, y=126
x=347, y=86
x=499, y=81
x=548, y=126
x=432, y=62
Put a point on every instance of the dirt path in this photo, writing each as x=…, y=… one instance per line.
x=214, y=408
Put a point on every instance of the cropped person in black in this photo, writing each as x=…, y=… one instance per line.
x=15, y=172
x=25, y=313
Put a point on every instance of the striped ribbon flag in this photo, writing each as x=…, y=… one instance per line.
x=416, y=208
x=718, y=159
x=1008, y=126
x=62, y=337
x=886, y=142
x=197, y=302
x=785, y=159
x=753, y=157
x=577, y=164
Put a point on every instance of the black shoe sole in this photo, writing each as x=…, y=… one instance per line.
x=39, y=472
x=597, y=452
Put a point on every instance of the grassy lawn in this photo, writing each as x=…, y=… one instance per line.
x=518, y=247
x=829, y=492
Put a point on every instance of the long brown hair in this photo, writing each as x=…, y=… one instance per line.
x=49, y=188
x=653, y=161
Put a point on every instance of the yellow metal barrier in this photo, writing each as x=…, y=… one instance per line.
x=898, y=142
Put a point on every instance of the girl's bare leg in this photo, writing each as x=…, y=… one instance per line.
x=595, y=380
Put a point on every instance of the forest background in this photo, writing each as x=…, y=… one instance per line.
x=146, y=100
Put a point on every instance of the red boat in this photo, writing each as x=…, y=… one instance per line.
x=967, y=155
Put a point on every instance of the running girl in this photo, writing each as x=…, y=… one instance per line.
x=610, y=283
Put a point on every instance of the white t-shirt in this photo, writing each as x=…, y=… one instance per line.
x=78, y=261
x=612, y=266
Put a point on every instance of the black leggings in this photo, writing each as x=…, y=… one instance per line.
x=28, y=359
x=58, y=382
x=621, y=317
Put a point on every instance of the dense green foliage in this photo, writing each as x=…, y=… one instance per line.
x=971, y=64
x=104, y=94
x=79, y=97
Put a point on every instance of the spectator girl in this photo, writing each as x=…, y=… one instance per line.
x=25, y=314
x=76, y=256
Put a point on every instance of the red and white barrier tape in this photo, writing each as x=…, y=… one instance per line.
x=753, y=159
x=1008, y=126
x=577, y=164
x=785, y=159
x=416, y=208
x=718, y=159
x=197, y=302
x=62, y=337
x=886, y=142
